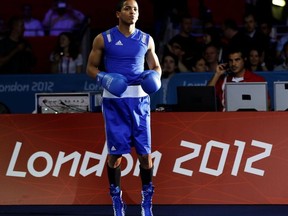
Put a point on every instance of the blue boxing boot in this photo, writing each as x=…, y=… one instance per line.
x=146, y=205
x=118, y=205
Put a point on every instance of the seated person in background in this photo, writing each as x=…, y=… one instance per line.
x=251, y=29
x=198, y=64
x=233, y=71
x=33, y=27
x=212, y=35
x=269, y=30
x=284, y=65
x=279, y=48
x=169, y=67
x=66, y=57
x=177, y=48
x=256, y=60
x=186, y=40
x=212, y=56
x=16, y=56
x=62, y=17
x=234, y=38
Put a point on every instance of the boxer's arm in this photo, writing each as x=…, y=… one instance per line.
x=151, y=79
x=152, y=58
x=95, y=56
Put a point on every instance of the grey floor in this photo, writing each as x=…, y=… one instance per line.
x=159, y=210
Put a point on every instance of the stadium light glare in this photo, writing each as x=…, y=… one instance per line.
x=280, y=3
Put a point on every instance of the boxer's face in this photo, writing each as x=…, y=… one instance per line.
x=129, y=12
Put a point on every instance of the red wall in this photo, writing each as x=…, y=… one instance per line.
x=221, y=9
x=102, y=13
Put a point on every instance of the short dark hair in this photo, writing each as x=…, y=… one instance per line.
x=120, y=5
x=237, y=49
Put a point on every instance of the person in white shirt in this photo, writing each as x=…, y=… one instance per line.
x=66, y=57
x=62, y=17
x=33, y=26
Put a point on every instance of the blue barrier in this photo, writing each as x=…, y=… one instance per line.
x=18, y=91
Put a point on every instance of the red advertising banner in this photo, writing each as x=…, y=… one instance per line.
x=199, y=158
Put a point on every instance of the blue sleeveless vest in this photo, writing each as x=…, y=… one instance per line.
x=125, y=55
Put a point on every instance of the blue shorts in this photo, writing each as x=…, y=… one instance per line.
x=127, y=124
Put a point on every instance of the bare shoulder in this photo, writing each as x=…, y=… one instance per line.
x=98, y=38
x=151, y=43
x=98, y=41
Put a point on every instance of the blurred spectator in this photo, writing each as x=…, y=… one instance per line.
x=279, y=49
x=259, y=40
x=205, y=15
x=198, y=64
x=66, y=57
x=185, y=37
x=212, y=35
x=234, y=38
x=62, y=17
x=169, y=66
x=270, y=31
x=177, y=48
x=167, y=13
x=284, y=65
x=211, y=56
x=16, y=56
x=251, y=29
x=256, y=60
x=33, y=27
x=167, y=18
x=261, y=9
x=266, y=28
x=233, y=71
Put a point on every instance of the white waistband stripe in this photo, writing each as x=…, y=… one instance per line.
x=131, y=91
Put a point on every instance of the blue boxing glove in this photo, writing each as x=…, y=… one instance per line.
x=115, y=83
x=150, y=81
